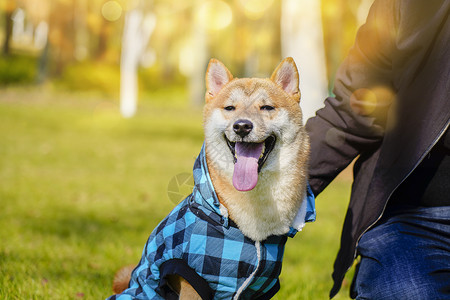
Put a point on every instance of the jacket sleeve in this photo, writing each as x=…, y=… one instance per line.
x=353, y=122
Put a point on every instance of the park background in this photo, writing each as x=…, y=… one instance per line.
x=100, y=123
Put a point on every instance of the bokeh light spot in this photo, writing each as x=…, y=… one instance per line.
x=112, y=10
x=373, y=101
x=215, y=14
x=255, y=9
x=363, y=101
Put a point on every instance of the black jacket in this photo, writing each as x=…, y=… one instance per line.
x=391, y=106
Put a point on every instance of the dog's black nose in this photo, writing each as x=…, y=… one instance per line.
x=242, y=127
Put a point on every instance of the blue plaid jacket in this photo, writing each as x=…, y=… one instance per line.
x=198, y=242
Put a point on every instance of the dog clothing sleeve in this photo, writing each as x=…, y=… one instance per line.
x=181, y=268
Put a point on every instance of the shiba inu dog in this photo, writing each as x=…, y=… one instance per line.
x=256, y=126
x=226, y=240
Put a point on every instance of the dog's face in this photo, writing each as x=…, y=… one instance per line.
x=248, y=122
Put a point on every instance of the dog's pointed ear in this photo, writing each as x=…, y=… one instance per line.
x=286, y=76
x=217, y=75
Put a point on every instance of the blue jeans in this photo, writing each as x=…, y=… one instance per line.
x=406, y=256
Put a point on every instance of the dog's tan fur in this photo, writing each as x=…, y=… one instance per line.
x=270, y=207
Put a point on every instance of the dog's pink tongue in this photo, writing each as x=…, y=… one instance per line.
x=245, y=176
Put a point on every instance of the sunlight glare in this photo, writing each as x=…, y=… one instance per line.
x=111, y=10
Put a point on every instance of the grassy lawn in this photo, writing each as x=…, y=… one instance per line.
x=81, y=189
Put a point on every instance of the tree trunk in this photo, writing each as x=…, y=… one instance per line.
x=199, y=62
x=10, y=6
x=302, y=39
x=136, y=34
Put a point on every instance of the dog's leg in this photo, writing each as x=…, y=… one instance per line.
x=176, y=283
x=183, y=288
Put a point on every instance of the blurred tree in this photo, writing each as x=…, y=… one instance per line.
x=81, y=50
x=107, y=13
x=38, y=13
x=85, y=35
x=302, y=39
x=175, y=20
x=8, y=6
x=250, y=44
x=137, y=30
x=257, y=27
x=340, y=23
x=196, y=57
x=61, y=34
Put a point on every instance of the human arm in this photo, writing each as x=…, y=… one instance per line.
x=353, y=122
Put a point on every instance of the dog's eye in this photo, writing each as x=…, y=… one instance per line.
x=229, y=108
x=267, y=107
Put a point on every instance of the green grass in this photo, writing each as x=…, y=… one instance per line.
x=17, y=69
x=81, y=189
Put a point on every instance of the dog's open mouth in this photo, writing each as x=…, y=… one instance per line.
x=249, y=158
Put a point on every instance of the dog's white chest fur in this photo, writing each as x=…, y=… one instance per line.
x=270, y=208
